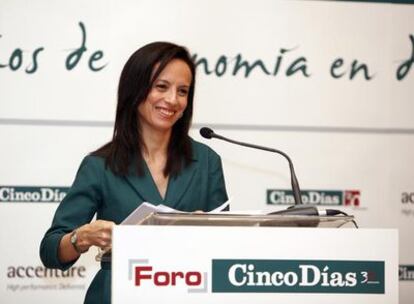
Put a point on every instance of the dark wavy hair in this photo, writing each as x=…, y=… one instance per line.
x=136, y=81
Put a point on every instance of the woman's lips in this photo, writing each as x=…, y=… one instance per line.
x=165, y=112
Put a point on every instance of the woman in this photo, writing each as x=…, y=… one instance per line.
x=150, y=158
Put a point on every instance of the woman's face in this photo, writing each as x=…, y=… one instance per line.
x=167, y=98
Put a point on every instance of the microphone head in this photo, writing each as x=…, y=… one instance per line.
x=206, y=132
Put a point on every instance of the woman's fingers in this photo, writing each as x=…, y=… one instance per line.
x=97, y=233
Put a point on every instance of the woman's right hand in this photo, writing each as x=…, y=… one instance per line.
x=97, y=233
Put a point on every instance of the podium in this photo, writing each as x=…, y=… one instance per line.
x=214, y=258
x=223, y=219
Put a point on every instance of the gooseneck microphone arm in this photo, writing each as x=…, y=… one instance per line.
x=209, y=133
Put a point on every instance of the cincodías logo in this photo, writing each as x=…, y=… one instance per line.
x=315, y=197
x=32, y=194
x=315, y=276
x=406, y=272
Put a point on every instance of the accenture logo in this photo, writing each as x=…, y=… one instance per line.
x=32, y=194
x=29, y=271
x=315, y=197
x=407, y=198
x=24, y=278
x=407, y=201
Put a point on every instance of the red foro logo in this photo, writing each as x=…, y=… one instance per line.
x=164, y=278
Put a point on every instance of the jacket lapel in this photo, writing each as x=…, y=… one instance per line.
x=178, y=185
x=144, y=185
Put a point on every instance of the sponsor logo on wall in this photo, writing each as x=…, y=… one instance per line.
x=406, y=272
x=20, y=278
x=32, y=194
x=407, y=201
x=315, y=197
x=266, y=276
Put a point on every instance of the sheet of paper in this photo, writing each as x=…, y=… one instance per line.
x=221, y=207
x=146, y=209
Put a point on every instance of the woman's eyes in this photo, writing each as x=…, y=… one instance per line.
x=183, y=92
x=162, y=87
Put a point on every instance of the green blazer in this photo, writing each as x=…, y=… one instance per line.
x=97, y=190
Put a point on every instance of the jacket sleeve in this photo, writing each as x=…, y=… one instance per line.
x=217, y=194
x=76, y=209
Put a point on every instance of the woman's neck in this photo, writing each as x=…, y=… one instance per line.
x=155, y=145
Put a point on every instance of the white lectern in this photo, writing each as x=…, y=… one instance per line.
x=204, y=258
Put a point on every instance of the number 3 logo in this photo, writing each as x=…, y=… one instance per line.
x=364, y=276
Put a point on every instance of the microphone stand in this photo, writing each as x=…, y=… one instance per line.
x=208, y=133
x=298, y=208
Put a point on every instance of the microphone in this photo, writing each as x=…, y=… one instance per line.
x=209, y=133
x=298, y=208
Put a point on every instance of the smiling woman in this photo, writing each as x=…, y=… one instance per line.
x=151, y=158
x=167, y=99
x=164, y=105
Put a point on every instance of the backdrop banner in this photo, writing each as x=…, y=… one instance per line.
x=329, y=82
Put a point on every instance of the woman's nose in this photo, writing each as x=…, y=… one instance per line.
x=171, y=96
